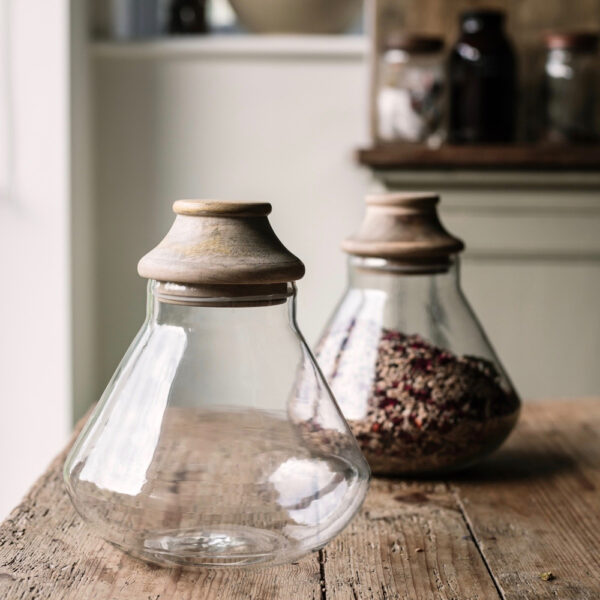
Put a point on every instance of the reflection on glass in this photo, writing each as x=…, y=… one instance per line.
x=217, y=442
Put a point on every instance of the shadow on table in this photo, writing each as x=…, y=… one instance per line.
x=514, y=464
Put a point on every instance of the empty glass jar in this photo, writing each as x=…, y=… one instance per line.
x=408, y=361
x=217, y=442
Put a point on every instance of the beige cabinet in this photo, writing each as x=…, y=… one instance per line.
x=531, y=269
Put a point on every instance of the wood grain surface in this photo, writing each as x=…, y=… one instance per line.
x=403, y=226
x=213, y=242
x=487, y=533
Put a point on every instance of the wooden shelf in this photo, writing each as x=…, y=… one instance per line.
x=509, y=157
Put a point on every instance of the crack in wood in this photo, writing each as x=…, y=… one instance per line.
x=323, y=582
x=471, y=539
x=384, y=594
x=469, y=526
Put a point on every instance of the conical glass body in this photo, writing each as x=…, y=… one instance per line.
x=217, y=442
x=413, y=371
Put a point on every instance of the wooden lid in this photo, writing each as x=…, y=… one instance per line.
x=213, y=242
x=403, y=226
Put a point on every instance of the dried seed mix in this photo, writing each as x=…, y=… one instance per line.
x=427, y=409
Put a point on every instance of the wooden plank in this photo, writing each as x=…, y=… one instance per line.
x=535, y=506
x=406, y=156
x=409, y=542
x=47, y=552
x=531, y=508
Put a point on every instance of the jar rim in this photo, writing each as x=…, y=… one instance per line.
x=226, y=296
x=426, y=266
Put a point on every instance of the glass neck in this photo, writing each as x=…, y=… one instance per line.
x=187, y=308
x=490, y=24
x=415, y=280
x=385, y=275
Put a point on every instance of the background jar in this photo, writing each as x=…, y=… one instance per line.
x=572, y=87
x=409, y=363
x=482, y=81
x=410, y=100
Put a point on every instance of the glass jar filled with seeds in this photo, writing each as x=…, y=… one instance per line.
x=404, y=353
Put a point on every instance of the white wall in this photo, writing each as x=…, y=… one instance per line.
x=278, y=120
x=261, y=119
x=35, y=388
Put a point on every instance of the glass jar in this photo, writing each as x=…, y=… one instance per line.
x=410, y=100
x=217, y=442
x=572, y=87
x=404, y=353
x=482, y=81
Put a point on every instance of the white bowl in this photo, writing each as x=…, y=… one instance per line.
x=297, y=16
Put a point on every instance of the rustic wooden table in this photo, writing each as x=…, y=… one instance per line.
x=532, y=508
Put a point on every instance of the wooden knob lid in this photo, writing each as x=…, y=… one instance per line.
x=213, y=242
x=403, y=226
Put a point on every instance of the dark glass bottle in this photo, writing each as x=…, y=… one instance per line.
x=482, y=81
x=187, y=17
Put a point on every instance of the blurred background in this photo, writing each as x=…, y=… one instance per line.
x=112, y=109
